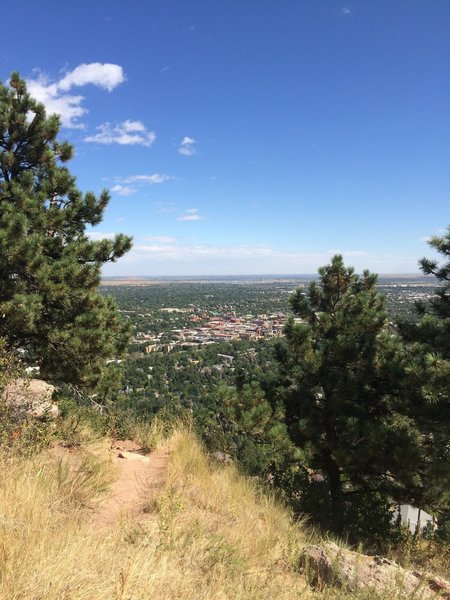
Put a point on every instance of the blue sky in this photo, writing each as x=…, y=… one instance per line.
x=251, y=136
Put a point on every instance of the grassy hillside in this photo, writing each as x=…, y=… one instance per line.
x=207, y=534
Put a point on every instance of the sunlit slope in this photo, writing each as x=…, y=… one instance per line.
x=207, y=534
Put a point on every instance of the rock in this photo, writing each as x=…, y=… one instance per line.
x=318, y=566
x=133, y=456
x=331, y=565
x=127, y=445
x=30, y=397
x=438, y=585
x=222, y=457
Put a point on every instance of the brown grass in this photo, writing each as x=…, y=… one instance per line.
x=215, y=535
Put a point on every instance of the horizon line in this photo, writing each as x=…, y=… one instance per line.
x=278, y=275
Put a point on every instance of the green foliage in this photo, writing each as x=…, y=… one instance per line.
x=346, y=397
x=243, y=424
x=9, y=365
x=433, y=329
x=431, y=334
x=429, y=373
x=439, y=305
x=443, y=530
x=50, y=269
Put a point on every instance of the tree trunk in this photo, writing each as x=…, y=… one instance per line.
x=336, y=497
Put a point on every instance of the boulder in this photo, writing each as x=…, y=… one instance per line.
x=30, y=398
x=332, y=565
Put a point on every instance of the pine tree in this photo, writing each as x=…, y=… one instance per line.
x=344, y=393
x=428, y=341
x=50, y=269
x=245, y=425
x=433, y=328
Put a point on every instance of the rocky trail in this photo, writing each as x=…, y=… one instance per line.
x=141, y=475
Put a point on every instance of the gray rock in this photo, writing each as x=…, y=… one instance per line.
x=30, y=398
x=331, y=565
x=222, y=457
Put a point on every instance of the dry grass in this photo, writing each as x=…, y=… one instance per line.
x=152, y=434
x=213, y=535
x=214, y=523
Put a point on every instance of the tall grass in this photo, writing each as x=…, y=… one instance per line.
x=43, y=505
x=213, y=535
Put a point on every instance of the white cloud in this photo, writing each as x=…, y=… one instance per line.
x=101, y=235
x=186, y=147
x=53, y=94
x=191, y=214
x=68, y=107
x=161, y=256
x=123, y=190
x=196, y=252
x=155, y=178
x=346, y=10
x=106, y=76
x=128, y=133
x=127, y=190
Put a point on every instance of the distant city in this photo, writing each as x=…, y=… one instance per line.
x=187, y=312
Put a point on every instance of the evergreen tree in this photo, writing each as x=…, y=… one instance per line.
x=50, y=269
x=344, y=393
x=244, y=424
x=432, y=330
x=429, y=374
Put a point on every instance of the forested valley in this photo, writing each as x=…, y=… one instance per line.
x=217, y=352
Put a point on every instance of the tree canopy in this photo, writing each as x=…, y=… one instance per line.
x=428, y=341
x=50, y=268
x=347, y=396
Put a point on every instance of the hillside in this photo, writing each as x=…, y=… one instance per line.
x=196, y=529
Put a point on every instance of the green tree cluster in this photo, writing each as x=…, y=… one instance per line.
x=352, y=405
x=50, y=268
x=429, y=342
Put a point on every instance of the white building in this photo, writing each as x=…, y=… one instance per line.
x=411, y=517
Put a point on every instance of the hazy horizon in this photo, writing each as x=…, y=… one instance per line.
x=417, y=275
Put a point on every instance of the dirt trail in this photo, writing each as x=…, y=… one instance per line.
x=140, y=477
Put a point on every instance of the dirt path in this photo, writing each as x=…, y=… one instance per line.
x=140, y=477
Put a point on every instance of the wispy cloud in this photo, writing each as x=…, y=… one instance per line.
x=191, y=214
x=346, y=10
x=165, y=207
x=151, y=179
x=123, y=190
x=187, y=146
x=163, y=239
x=194, y=252
x=128, y=133
x=166, y=257
x=437, y=232
x=127, y=189
x=101, y=235
x=54, y=94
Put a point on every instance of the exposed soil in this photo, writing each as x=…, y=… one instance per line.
x=141, y=475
